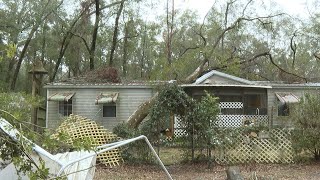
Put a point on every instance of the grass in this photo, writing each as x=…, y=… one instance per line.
x=171, y=156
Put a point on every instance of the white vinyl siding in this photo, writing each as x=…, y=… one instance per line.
x=83, y=104
x=273, y=102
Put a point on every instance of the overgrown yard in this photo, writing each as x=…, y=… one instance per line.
x=172, y=158
x=310, y=171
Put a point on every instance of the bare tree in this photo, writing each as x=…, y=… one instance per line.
x=94, y=35
x=69, y=34
x=115, y=34
x=170, y=32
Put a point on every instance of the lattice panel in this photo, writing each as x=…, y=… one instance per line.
x=240, y=153
x=257, y=119
x=238, y=120
x=231, y=105
x=179, y=127
x=230, y=120
x=225, y=121
x=180, y=132
x=275, y=149
x=77, y=127
x=178, y=123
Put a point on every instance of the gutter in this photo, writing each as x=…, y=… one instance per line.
x=226, y=85
x=97, y=86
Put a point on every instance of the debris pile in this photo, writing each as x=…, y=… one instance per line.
x=78, y=127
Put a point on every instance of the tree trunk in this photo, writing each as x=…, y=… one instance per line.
x=169, y=32
x=63, y=48
x=142, y=61
x=64, y=45
x=143, y=110
x=23, y=52
x=94, y=36
x=10, y=68
x=125, y=51
x=115, y=34
x=137, y=117
x=43, y=46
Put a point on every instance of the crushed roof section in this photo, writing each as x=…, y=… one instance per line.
x=76, y=83
x=82, y=81
x=221, y=74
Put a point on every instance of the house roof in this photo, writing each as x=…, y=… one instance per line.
x=285, y=85
x=240, y=82
x=227, y=85
x=223, y=75
x=80, y=83
x=201, y=81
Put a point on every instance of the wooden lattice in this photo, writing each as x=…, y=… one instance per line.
x=77, y=127
x=276, y=147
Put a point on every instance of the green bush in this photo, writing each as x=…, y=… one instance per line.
x=138, y=151
x=16, y=109
x=306, y=117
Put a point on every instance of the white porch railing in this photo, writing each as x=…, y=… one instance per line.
x=241, y=120
x=228, y=120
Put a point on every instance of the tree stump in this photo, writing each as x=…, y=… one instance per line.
x=233, y=173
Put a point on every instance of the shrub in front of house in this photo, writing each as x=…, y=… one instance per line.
x=306, y=133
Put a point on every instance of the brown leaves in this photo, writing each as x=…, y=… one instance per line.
x=104, y=74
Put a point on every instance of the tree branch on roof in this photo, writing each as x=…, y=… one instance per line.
x=137, y=117
x=284, y=71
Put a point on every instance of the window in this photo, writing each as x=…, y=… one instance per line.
x=65, y=107
x=284, y=102
x=64, y=100
x=283, y=109
x=109, y=110
x=108, y=101
x=255, y=104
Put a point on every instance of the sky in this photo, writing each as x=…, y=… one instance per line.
x=292, y=7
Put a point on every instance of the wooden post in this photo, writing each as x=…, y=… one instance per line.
x=36, y=72
x=34, y=113
x=271, y=118
x=192, y=142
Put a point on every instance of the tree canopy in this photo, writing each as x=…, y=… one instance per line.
x=152, y=40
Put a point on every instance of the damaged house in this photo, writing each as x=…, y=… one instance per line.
x=241, y=100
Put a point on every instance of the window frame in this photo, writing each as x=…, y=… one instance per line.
x=113, y=113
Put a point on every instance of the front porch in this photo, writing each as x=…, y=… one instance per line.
x=240, y=105
x=229, y=117
x=232, y=120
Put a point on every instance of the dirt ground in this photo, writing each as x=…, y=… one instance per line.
x=308, y=171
